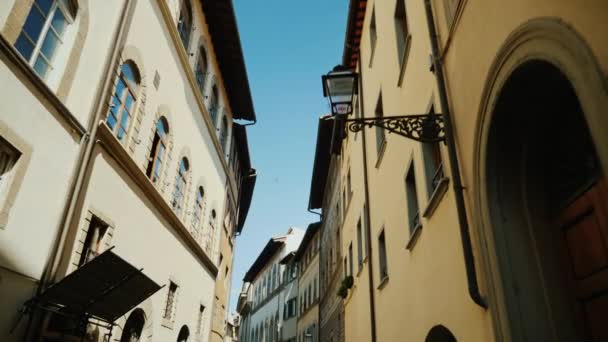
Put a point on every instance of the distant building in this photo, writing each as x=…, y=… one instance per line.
x=326, y=194
x=260, y=304
x=117, y=129
x=307, y=259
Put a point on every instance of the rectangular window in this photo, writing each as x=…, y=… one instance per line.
x=350, y=259
x=433, y=163
x=412, y=200
x=373, y=35
x=401, y=28
x=345, y=268
x=380, y=138
x=42, y=34
x=360, y=253
x=382, y=256
x=349, y=188
x=170, y=304
x=93, y=242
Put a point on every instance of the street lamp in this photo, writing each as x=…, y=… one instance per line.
x=340, y=86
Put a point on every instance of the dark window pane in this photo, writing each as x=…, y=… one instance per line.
x=33, y=24
x=45, y=5
x=111, y=121
x=59, y=23
x=41, y=67
x=24, y=46
x=50, y=45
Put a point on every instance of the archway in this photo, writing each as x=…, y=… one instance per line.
x=547, y=201
x=134, y=326
x=439, y=333
x=184, y=334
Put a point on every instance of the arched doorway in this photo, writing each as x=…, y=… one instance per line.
x=184, y=334
x=548, y=207
x=134, y=326
x=439, y=333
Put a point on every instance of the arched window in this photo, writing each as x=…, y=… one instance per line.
x=184, y=25
x=212, y=220
x=184, y=334
x=200, y=69
x=123, y=100
x=224, y=134
x=180, y=186
x=134, y=326
x=214, y=105
x=439, y=333
x=158, y=150
x=197, y=212
x=42, y=34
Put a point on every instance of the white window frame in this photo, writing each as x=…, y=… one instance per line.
x=57, y=5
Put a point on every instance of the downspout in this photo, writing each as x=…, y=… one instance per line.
x=368, y=233
x=77, y=185
x=469, y=259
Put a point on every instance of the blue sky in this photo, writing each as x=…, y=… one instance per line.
x=288, y=45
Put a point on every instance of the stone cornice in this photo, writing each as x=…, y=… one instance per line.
x=114, y=148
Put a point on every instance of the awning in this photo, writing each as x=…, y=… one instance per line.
x=105, y=288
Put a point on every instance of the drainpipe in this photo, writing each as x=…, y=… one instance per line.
x=469, y=259
x=368, y=233
x=98, y=110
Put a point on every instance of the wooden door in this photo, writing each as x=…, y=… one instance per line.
x=584, y=251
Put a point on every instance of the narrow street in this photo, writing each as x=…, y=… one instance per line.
x=320, y=171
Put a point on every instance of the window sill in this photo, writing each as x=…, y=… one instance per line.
x=381, y=153
x=436, y=197
x=413, y=238
x=383, y=283
x=404, y=58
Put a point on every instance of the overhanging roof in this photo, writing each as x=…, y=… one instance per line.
x=312, y=229
x=273, y=245
x=106, y=288
x=354, y=28
x=287, y=258
x=249, y=176
x=321, y=163
x=224, y=32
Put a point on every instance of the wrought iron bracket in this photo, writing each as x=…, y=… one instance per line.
x=426, y=128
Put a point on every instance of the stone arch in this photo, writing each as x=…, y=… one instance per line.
x=202, y=184
x=202, y=49
x=132, y=54
x=540, y=41
x=143, y=312
x=162, y=111
x=439, y=333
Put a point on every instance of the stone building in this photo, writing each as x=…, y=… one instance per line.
x=445, y=236
x=260, y=303
x=326, y=194
x=117, y=132
x=307, y=259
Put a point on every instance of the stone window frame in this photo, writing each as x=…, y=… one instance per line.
x=20, y=168
x=168, y=322
x=131, y=54
x=79, y=13
x=201, y=223
x=83, y=231
x=184, y=213
x=202, y=51
x=162, y=111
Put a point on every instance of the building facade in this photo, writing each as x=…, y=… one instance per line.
x=288, y=298
x=307, y=258
x=441, y=238
x=326, y=194
x=143, y=154
x=261, y=307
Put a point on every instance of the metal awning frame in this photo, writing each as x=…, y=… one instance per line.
x=82, y=319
